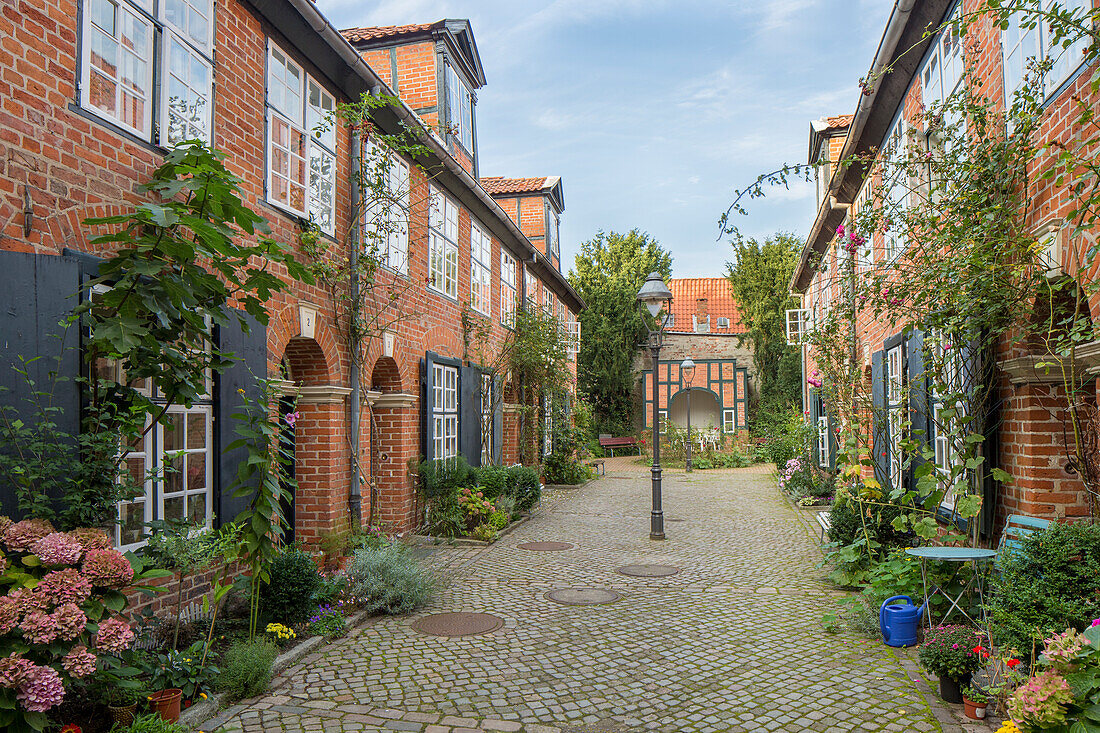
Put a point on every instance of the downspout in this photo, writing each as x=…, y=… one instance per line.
x=355, y=498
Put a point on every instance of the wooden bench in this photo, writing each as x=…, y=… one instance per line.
x=823, y=521
x=597, y=464
x=1017, y=529
x=610, y=443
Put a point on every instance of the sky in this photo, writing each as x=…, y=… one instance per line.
x=654, y=112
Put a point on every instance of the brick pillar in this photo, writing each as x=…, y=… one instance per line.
x=397, y=443
x=321, y=464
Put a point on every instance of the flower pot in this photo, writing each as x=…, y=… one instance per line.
x=951, y=688
x=166, y=704
x=122, y=714
x=974, y=710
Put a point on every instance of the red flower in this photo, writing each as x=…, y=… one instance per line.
x=71, y=728
x=1012, y=663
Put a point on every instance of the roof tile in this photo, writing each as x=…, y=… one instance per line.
x=686, y=291
x=499, y=185
x=389, y=31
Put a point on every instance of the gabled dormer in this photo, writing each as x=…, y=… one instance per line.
x=536, y=206
x=436, y=70
x=827, y=137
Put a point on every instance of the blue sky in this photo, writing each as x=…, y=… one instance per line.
x=653, y=112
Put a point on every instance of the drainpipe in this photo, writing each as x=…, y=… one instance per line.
x=355, y=498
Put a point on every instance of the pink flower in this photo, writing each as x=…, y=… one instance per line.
x=39, y=627
x=840, y=231
x=108, y=568
x=58, y=548
x=92, y=538
x=292, y=417
x=79, y=662
x=14, y=671
x=114, y=636
x=70, y=621
x=63, y=586
x=20, y=536
x=1096, y=622
x=42, y=691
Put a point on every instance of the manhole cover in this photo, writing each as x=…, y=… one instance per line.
x=546, y=546
x=458, y=624
x=648, y=571
x=583, y=596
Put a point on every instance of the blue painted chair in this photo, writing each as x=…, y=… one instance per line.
x=1017, y=529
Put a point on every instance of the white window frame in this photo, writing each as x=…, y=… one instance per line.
x=530, y=288
x=552, y=224
x=163, y=496
x=865, y=255
x=443, y=245
x=486, y=419
x=895, y=176
x=798, y=322
x=158, y=37
x=895, y=409
x=1017, y=49
x=444, y=411
x=573, y=338
x=729, y=420
x=481, y=269
x=461, y=123
x=385, y=222
x=508, y=290
x=823, y=441
x=662, y=422
x=547, y=426
x=310, y=147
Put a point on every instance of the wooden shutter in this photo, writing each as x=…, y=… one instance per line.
x=880, y=437
x=469, y=414
x=498, y=421
x=250, y=350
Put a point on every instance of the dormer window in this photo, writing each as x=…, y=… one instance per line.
x=460, y=109
x=552, y=231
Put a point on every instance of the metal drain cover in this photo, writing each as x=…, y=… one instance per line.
x=546, y=546
x=648, y=571
x=583, y=596
x=458, y=624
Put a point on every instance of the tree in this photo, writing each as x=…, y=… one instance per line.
x=759, y=277
x=608, y=273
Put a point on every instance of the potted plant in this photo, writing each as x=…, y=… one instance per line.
x=975, y=701
x=953, y=653
x=122, y=703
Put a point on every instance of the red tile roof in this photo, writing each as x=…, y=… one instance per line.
x=499, y=185
x=686, y=291
x=388, y=31
x=838, y=121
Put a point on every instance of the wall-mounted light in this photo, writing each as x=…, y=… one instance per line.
x=28, y=211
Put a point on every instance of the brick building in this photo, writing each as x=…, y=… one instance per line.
x=1027, y=438
x=703, y=324
x=95, y=91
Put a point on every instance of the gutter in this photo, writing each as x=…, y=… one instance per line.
x=826, y=218
x=355, y=66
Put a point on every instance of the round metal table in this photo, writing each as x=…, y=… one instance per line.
x=973, y=555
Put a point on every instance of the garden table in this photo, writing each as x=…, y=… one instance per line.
x=973, y=555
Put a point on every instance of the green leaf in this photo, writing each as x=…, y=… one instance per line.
x=926, y=528
x=1001, y=475
x=969, y=505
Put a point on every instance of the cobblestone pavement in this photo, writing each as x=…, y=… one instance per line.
x=733, y=642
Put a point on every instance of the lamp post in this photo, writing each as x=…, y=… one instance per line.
x=651, y=298
x=687, y=372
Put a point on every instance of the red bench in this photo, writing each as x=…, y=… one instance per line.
x=609, y=443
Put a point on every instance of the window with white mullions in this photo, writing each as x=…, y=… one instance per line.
x=486, y=419
x=823, y=441
x=118, y=79
x=481, y=271
x=459, y=109
x=948, y=405
x=443, y=244
x=729, y=423
x=895, y=179
x=184, y=464
x=1020, y=44
x=444, y=411
x=386, y=213
x=895, y=409
x=507, y=289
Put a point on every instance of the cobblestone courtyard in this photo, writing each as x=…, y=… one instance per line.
x=733, y=642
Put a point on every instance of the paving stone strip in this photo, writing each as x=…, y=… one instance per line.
x=733, y=642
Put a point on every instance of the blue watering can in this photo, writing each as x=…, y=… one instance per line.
x=899, y=622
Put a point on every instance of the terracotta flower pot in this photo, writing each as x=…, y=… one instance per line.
x=974, y=710
x=122, y=714
x=166, y=704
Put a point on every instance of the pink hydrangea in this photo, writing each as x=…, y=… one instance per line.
x=108, y=568
x=14, y=671
x=3, y=563
x=20, y=536
x=9, y=614
x=39, y=627
x=114, y=636
x=26, y=600
x=58, y=548
x=70, y=621
x=92, y=538
x=42, y=691
x=79, y=662
x=63, y=586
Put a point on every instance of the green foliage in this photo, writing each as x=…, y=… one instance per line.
x=151, y=723
x=607, y=274
x=861, y=530
x=498, y=520
x=759, y=277
x=389, y=580
x=492, y=480
x=182, y=669
x=247, y=668
x=1052, y=583
x=443, y=478
x=287, y=597
x=524, y=487
x=328, y=621
x=949, y=651
x=560, y=467
x=782, y=433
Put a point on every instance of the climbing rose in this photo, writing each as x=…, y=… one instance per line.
x=108, y=568
x=79, y=662
x=114, y=636
x=42, y=691
x=58, y=548
x=63, y=586
x=22, y=535
x=70, y=621
x=14, y=671
x=93, y=539
x=39, y=627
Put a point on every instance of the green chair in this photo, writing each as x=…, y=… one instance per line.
x=1017, y=529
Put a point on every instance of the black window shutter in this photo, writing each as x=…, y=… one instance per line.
x=880, y=438
x=426, y=413
x=831, y=428
x=920, y=398
x=469, y=414
x=498, y=421
x=250, y=350
x=39, y=293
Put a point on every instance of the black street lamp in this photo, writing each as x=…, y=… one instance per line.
x=687, y=373
x=651, y=298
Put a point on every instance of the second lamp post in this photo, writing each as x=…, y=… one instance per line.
x=651, y=298
x=687, y=374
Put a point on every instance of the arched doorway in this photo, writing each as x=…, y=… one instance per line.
x=706, y=409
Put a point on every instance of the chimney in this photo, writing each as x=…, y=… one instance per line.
x=701, y=319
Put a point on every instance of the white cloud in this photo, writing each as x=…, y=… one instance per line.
x=779, y=14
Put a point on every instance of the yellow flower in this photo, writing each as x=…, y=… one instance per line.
x=203, y=696
x=1009, y=726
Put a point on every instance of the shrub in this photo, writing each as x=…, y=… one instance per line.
x=388, y=580
x=847, y=526
x=523, y=485
x=288, y=596
x=330, y=589
x=498, y=520
x=484, y=532
x=951, y=651
x=445, y=518
x=443, y=478
x=493, y=480
x=247, y=668
x=1052, y=583
x=562, y=468
x=506, y=505
x=151, y=723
